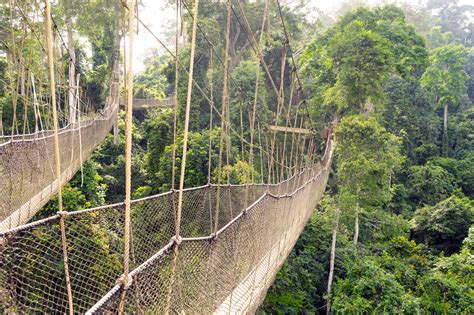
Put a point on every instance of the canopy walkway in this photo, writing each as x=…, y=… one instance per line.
x=209, y=249
x=27, y=178
x=142, y=104
x=226, y=271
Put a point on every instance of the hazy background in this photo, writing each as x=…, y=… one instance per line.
x=159, y=16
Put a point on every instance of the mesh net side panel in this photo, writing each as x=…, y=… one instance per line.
x=228, y=273
x=27, y=166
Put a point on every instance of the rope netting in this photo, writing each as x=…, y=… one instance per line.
x=27, y=178
x=201, y=249
x=228, y=269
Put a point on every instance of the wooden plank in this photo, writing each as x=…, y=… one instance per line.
x=150, y=103
x=290, y=130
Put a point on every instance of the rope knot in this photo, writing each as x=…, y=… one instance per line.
x=177, y=239
x=125, y=282
x=213, y=237
x=63, y=214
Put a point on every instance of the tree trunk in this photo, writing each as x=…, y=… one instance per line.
x=445, y=130
x=72, y=74
x=331, y=263
x=356, y=227
x=114, y=91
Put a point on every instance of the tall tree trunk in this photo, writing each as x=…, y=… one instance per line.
x=356, y=226
x=331, y=263
x=114, y=90
x=72, y=74
x=356, y=223
x=445, y=130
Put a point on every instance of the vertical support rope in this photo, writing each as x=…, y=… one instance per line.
x=183, y=160
x=211, y=108
x=281, y=104
x=78, y=105
x=242, y=146
x=223, y=114
x=288, y=113
x=255, y=100
x=14, y=90
x=128, y=153
x=261, y=154
x=176, y=99
x=57, y=154
x=186, y=120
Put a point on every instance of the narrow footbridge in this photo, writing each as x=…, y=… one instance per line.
x=209, y=249
x=144, y=103
x=27, y=164
x=224, y=271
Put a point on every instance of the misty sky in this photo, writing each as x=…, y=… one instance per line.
x=160, y=18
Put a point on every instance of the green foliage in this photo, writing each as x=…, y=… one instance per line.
x=301, y=282
x=446, y=77
x=111, y=159
x=196, y=161
x=462, y=171
x=97, y=22
x=73, y=200
x=370, y=61
x=462, y=134
x=361, y=59
x=468, y=242
x=239, y=173
x=444, y=226
x=403, y=278
x=429, y=184
x=91, y=184
x=90, y=241
x=368, y=287
x=351, y=60
x=151, y=82
x=366, y=157
x=159, y=131
x=409, y=114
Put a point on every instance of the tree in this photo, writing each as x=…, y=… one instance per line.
x=429, y=184
x=368, y=287
x=446, y=79
x=462, y=171
x=409, y=114
x=159, y=132
x=444, y=226
x=350, y=61
x=151, y=83
x=361, y=60
x=454, y=18
x=366, y=157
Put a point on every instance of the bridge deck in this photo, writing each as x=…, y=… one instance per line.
x=249, y=294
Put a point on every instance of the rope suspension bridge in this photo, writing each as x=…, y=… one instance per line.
x=215, y=248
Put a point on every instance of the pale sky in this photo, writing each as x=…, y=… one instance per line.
x=160, y=18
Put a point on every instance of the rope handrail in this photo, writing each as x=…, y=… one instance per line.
x=52, y=218
x=106, y=114
x=132, y=247
x=101, y=305
x=158, y=207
